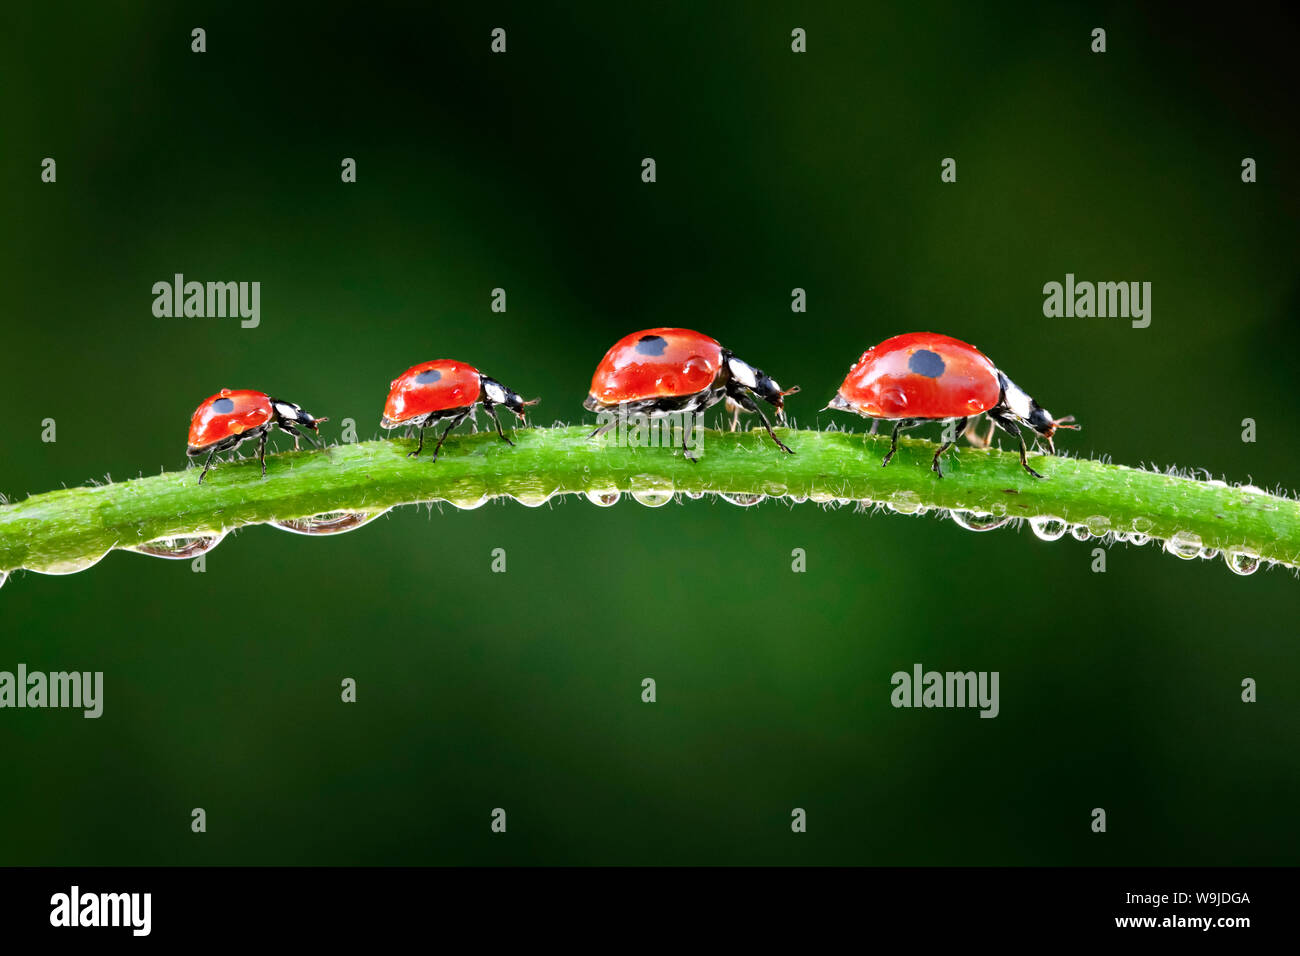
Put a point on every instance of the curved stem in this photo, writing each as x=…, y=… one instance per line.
x=63, y=531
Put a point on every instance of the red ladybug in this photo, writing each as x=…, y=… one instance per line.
x=658, y=372
x=923, y=376
x=445, y=388
x=233, y=416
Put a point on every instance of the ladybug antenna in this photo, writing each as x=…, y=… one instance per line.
x=1066, y=422
x=518, y=405
x=792, y=390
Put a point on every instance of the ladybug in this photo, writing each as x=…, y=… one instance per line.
x=658, y=372
x=923, y=376
x=446, y=389
x=233, y=416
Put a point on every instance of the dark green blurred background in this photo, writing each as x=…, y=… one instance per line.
x=477, y=690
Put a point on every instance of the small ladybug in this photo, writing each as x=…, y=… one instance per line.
x=233, y=416
x=446, y=389
x=923, y=376
x=659, y=372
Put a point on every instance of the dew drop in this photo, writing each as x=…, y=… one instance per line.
x=1241, y=562
x=604, y=499
x=4, y=576
x=469, y=504
x=653, y=491
x=1184, y=545
x=1142, y=526
x=975, y=521
x=745, y=501
x=1098, y=525
x=904, y=502
x=182, y=547
x=533, y=499
x=695, y=495
x=1137, y=537
x=653, y=499
x=1048, y=528
x=68, y=566
x=329, y=522
x=1080, y=532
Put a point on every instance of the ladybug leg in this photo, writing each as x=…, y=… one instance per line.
x=746, y=402
x=418, y=448
x=973, y=435
x=875, y=426
x=286, y=426
x=603, y=428
x=207, y=464
x=492, y=410
x=447, y=431
x=1012, y=428
x=893, y=438
x=934, y=465
x=686, y=449
x=261, y=452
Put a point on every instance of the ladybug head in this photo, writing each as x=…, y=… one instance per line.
x=1041, y=421
x=760, y=383
x=498, y=394
x=288, y=412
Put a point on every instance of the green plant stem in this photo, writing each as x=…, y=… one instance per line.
x=61, y=531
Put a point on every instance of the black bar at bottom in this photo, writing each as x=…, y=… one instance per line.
x=235, y=904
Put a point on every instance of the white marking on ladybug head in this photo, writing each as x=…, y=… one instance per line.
x=742, y=373
x=495, y=393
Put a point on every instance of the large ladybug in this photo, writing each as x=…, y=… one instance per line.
x=923, y=376
x=659, y=372
x=446, y=389
x=233, y=416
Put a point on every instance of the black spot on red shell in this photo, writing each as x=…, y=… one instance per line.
x=927, y=363
x=223, y=406
x=428, y=377
x=651, y=345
